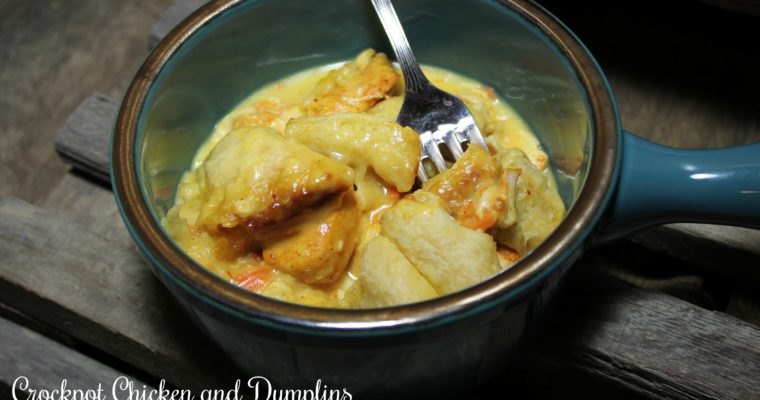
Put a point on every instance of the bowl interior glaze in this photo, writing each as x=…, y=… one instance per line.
x=253, y=43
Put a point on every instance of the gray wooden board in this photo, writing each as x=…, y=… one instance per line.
x=91, y=205
x=649, y=342
x=84, y=138
x=171, y=17
x=726, y=250
x=744, y=304
x=100, y=292
x=38, y=326
x=45, y=363
x=53, y=54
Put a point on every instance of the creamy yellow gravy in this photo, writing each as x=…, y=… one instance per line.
x=274, y=105
x=505, y=125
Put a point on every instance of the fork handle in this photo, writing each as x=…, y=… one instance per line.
x=414, y=78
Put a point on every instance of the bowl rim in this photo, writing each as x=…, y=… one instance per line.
x=515, y=282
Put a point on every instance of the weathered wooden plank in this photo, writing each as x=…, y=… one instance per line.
x=744, y=304
x=53, y=54
x=38, y=326
x=100, y=292
x=645, y=341
x=46, y=363
x=726, y=250
x=177, y=11
x=84, y=139
x=90, y=204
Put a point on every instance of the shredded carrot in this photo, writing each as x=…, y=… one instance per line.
x=487, y=221
x=475, y=223
x=254, y=280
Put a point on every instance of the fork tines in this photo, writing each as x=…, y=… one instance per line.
x=443, y=147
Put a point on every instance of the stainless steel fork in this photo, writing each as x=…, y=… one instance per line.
x=445, y=125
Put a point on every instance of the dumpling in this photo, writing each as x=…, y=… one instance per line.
x=450, y=256
x=388, y=108
x=388, y=278
x=539, y=207
x=359, y=140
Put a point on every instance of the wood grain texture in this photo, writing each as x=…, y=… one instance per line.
x=646, y=342
x=46, y=363
x=84, y=139
x=727, y=251
x=53, y=54
x=99, y=291
x=89, y=203
x=744, y=304
x=82, y=142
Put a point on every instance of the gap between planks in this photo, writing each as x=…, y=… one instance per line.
x=46, y=363
x=98, y=291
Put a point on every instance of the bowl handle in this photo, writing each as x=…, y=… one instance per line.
x=659, y=184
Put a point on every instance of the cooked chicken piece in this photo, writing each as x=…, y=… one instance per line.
x=475, y=191
x=255, y=178
x=450, y=256
x=359, y=140
x=539, y=207
x=388, y=278
x=354, y=87
x=316, y=245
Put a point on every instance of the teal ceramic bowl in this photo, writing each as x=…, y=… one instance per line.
x=611, y=182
